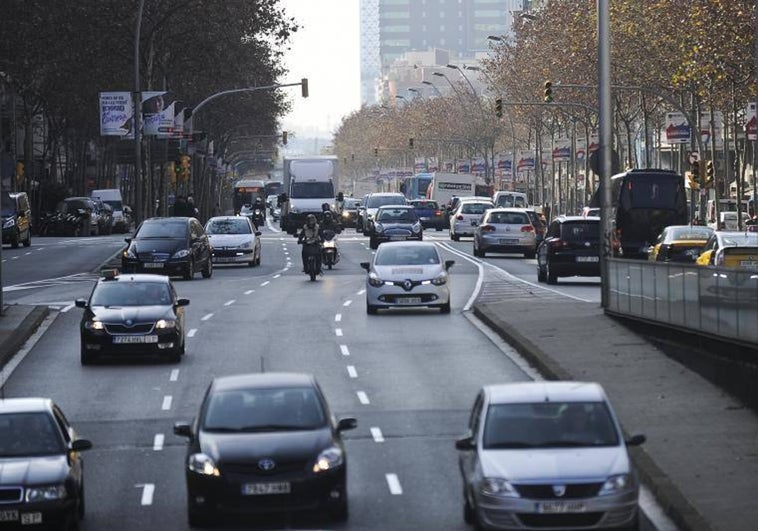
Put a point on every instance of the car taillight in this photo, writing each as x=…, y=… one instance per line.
x=487, y=228
x=459, y=217
x=618, y=233
x=437, y=213
x=559, y=244
x=527, y=228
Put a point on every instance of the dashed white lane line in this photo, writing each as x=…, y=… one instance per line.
x=376, y=433
x=394, y=484
x=344, y=350
x=229, y=303
x=27, y=254
x=347, y=303
x=277, y=275
x=148, y=489
x=158, y=442
x=338, y=331
x=174, y=376
x=361, y=292
x=265, y=283
x=206, y=316
x=248, y=292
x=14, y=258
x=352, y=372
x=166, y=403
x=363, y=398
x=338, y=318
x=192, y=332
x=67, y=308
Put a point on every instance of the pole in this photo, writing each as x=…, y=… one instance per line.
x=137, y=99
x=604, y=96
x=755, y=144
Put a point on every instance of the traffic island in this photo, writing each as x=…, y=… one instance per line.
x=17, y=324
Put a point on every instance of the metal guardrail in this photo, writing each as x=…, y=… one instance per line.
x=713, y=301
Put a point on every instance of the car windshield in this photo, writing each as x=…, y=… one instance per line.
x=7, y=204
x=163, y=229
x=690, y=233
x=265, y=409
x=406, y=255
x=228, y=226
x=73, y=204
x=375, y=201
x=29, y=434
x=352, y=204
x=115, y=205
x=475, y=208
x=580, y=231
x=549, y=425
x=111, y=293
x=397, y=215
x=508, y=218
x=317, y=190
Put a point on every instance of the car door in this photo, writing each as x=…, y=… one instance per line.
x=468, y=458
x=69, y=436
x=178, y=310
x=204, y=248
x=553, y=232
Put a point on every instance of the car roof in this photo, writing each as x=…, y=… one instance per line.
x=737, y=238
x=562, y=219
x=508, y=209
x=169, y=219
x=388, y=245
x=25, y=405
x=387, y=207
x=393, y=194
x=226, y=217
x=266, y=380
x=544, y=391
x=138, y=277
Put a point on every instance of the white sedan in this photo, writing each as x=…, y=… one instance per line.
x=234, y=240
x=407, y=274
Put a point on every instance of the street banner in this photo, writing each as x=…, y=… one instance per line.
x=562, y=150
x=432, y=164
x=448, y=166
x=594, y=142
x=178, y=129
x=752, y=119
x=677, y=128
x=157, y=113
x=581, y=148
x=464, y=166
x=705, y=128
x=419, y=164
x=478, y=166
x=116, y=114
x=525, y=160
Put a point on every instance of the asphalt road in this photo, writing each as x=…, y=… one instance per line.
x=409, y=377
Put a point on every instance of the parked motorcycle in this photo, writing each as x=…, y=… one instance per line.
x=330, y=254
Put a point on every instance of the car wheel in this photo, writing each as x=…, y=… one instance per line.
x=14, y=241
x=371, y=309
x=373, y=243
x=445, y=308
x=340, y=513
x=197, y=519
x=86, y=357
x=208, y=271
x=475, y=252
x=28, y=240
x=175, y=356
x=541, y=275
x=455, y=237
x=551, y=277
x=469, y=515
x=81, y=509
x=189, y=273
x=258, y=260
x=530, y=255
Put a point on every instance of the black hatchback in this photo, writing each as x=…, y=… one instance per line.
x=171, y=246
x=571, y=248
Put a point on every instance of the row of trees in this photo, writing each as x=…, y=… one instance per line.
x=55, y=58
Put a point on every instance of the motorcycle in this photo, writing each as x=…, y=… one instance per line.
x=330, y=254
x=312, y=259
x=259, y=217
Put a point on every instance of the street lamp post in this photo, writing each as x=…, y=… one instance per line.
x=137, y=99
x=429, y=83
x=605, y=105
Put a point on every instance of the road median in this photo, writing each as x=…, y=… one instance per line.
x=17, y=324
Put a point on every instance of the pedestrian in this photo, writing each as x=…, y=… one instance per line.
x=192, y=211
x=180, y=206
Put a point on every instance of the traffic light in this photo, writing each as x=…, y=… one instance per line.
x=183, y=171
x=410, y=143
x=499, y=107
x=548, y=92
x=693, y=180
x=709, y=173
x=284, y=138
x=304, y=87
x=695, y=176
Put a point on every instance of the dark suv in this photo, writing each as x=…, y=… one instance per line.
x=571, y=248
x=16, y=218
x=172, y=246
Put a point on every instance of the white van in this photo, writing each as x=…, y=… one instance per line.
x=112, y=198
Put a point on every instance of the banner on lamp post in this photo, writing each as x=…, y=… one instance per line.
x=157, y=113
x=562, y=150
x=525, y=160
x=116, y=114
x=752, y=120
x=677, y=129
x=419, y=164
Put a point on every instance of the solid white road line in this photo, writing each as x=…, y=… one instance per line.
x=265, y=283
x=352, y=372
x=192, y=332
x=480, y=278
x=229, y=303
x=347, y=303
x=338, y=318
x=174, y=376
x=206, y=316
x=376, y=433
x=148, y=489
x=7, y=371
x=158, y=442
x=248, y=292
x=344, y=350
x=338, y=331
x=363, y=398
x=166, y=403
x=67, y=308
x=394, y=484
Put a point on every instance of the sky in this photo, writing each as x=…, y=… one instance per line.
x=326, y=50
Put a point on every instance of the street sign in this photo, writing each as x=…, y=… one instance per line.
x=752, y=119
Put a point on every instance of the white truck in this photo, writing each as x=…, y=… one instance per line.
x=309, y=182
x=446, y=185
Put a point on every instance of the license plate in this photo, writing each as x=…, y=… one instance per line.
x=224, y=259
x=31, y=518
x=135, y=339
x=409, y=300
x=561, y=507
x=397, y=238
x=587, y=258
x=8, y=516
x=508, y=242
x=153, y=265
x=262, y=489
x=749, y=264
x=474, y=223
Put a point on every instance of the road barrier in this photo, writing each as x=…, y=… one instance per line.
x=712, y=301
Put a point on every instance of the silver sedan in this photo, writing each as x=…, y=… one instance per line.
x=234, y=240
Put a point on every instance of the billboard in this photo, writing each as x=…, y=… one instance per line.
x=116, y=114
x=562, y=150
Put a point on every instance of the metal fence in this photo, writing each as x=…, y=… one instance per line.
x=714, y=301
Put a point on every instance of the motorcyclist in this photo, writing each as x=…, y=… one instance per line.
x=310, y=235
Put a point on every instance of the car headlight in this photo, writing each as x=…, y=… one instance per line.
x=378, y=227
x=618, y=483
x=374, y=280
x=329, y=459
x=94, y=325
x=202, y=464
x=498, y=487
x=129, y=253
x=8, y=223
x=346, y=215
x=246, y=245
x=163, y=324
x=416, y=227
x=294, y=210
x=181, y=253
x=440, y=280
x=51, y=492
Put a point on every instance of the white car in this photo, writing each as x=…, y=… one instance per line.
x=464, y=220
x=407, y=274
x=551, y=455
x=234, y=240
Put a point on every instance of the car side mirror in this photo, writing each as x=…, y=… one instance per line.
x=182, y=302
x=183, y=429
x=449, y=264
x=80, y=445
x=258, y=233
x=636, y=440
x=365, y=265
x=128, y=240
x=80, y=303
x=466, y=443
x=348, y=423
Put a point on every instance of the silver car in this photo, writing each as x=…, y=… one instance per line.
x=234, y=240
x=547, y=455
x=464, y=220
x=505, y=230
x=407, y=274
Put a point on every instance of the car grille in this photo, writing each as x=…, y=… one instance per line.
x=561, y=521
x=11, y=494
x=252, y=469
x=402, y=284
x=138, y=328
x=397, y=232
x=227, y=253
x=545, y=492
x=392, y=299
x=154, y=257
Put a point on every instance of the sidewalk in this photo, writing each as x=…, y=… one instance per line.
x=17, y=324
x=701, y=455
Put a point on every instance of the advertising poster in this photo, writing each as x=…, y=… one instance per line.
x=116, y=114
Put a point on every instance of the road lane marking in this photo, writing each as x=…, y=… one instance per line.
x=67, y=308
x=166, y=403
x=338, y=331
x=363, y=398
x=277, y=275
x=27, y=254
x=14, y=258
x=394, y=484
x=192, y=332
x=376, y=433
x=158, y=442
x=344, y=350
x=148, y=489
x=11, y=365
x=206, y=316
x=229, y=303
x=265, y=283
x=480, y=276
x=361, y=292
x=347, y=303
x=174, y=375
x=352, y=372
x=248, y=292
x=338, y=318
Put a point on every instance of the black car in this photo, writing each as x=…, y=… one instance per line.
x=171, y=246
x=571, y=248
x=395, y=223
x=16, y=219
x=104, y=215
x=264, y=443
x=430, y=213
x=41, y=471
x=132, y=315
x=350, y=212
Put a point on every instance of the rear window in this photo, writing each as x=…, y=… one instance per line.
x=406, y=255
x=376, y=201
x=580, y=231
x=509, y=218
x=475, y=208
x=426, y=205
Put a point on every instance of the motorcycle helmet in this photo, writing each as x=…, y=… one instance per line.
x=310, y=221
x=327, y=216
x=325, y=207
x=340, y=196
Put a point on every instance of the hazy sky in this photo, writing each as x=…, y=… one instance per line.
x=326, y=50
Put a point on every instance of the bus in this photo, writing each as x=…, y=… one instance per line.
x=415, y=187
x=644, y=203
x=246, y=191
x=273, y=187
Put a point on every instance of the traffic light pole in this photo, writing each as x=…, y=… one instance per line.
x=137, y=121
x=606, y=116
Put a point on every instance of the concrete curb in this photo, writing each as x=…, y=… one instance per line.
x=668, y=495
x=13, y=343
